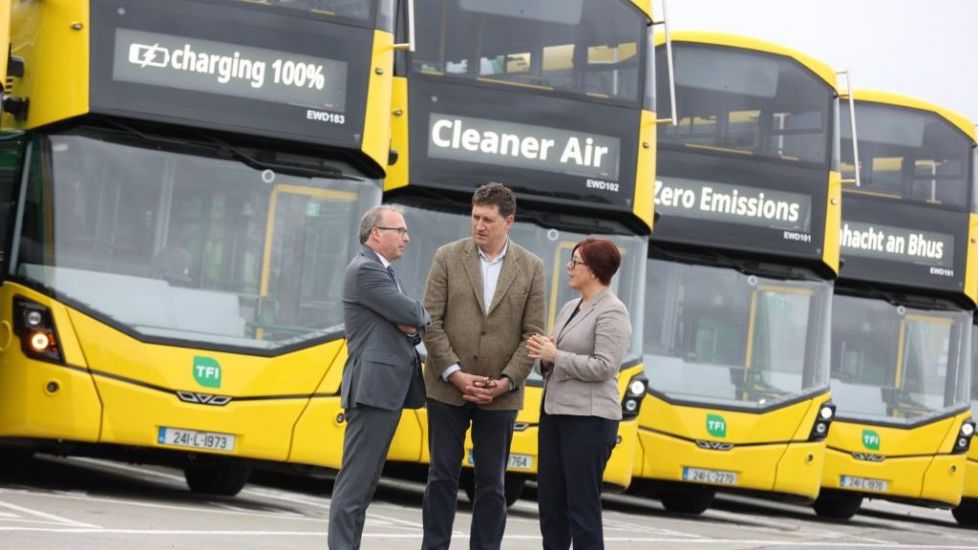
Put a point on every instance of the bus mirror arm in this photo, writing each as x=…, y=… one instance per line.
x=409, y=45
x=852, y=124
x=673, y=118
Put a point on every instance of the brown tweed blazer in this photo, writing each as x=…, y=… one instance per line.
x=487, y=344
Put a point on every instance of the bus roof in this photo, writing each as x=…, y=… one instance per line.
x=960, y=121
x=820, y=68
x=645, y=6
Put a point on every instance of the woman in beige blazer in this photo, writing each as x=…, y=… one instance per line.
x=581, y=405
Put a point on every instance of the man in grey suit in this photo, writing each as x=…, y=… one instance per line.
x=382, y=374
x=485, y=295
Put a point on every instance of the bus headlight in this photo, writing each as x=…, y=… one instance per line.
x=965, y=433
x=33, y=318
x=40, y=342
x=634, y=393
x=34, y=324
x=820, y=430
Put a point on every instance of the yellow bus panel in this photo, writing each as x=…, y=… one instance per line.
x=57, y=68
x=644, y=207
x=92, y=398
x=971, y=474
x=768, y=452
x=934, y=478
x=46, y=400
x=397, y=173
x=376, y=123
x=915, y=461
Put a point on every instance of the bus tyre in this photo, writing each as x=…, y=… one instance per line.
x=967, y=513
x=687, y=500
x=15, y=459
x=837, y=504
x=225, y=478
x=513, y=486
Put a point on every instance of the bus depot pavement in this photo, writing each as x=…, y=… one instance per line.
x=80, y=503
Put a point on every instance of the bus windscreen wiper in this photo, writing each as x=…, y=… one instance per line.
x=237, y=153
x=251, y=161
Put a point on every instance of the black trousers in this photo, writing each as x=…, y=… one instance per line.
x=573, y=451
x=492, y=433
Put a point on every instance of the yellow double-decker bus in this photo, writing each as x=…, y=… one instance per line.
x=553, y=100
x=739, y=275
x=181, y=189
x=902, y=311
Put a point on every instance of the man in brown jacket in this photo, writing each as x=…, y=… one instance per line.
x=485, y=297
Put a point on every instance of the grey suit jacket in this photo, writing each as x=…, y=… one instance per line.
x=484, y=339
x=382, y=368
x=590, y=348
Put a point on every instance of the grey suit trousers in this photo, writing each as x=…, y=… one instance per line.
x=369, y=431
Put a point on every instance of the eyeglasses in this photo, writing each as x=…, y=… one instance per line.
x=402, y=231
x=574, y=262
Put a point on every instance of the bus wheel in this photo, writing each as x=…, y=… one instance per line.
x=15, y=460
x=225, y=478
x=837, y=504
x=513, y=485
x=687, y=500
x=967, y=513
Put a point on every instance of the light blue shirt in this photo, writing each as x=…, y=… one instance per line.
x=490, y=277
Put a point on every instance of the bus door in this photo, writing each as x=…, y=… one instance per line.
x=301, y=275
x=927, y=345
x=560, y=290
x=780, y=317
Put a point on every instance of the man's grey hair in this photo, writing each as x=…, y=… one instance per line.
x=371, y=219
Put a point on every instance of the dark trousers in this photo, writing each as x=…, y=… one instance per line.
x=492, y=433
x=573, y=451
x=367, y=439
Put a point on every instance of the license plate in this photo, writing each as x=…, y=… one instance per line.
x=864, y=483
x=194, y=439
x=716, y=477
x=518, y=462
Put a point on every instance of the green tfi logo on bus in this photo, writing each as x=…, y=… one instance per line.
x=716, y=425
x=871, y=440
x=207, y=372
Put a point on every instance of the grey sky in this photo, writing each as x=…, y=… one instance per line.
x=926, y=49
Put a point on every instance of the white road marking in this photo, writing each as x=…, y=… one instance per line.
x=627, y=526
x=415, y=536
x=180, y=479
x=52, y=517
x=193, y=509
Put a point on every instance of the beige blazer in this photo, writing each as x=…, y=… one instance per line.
x=590, y=348
x=484, y=339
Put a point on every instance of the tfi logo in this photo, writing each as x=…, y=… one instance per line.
x=716, y=425
x=207, y=372
x=871, y=440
